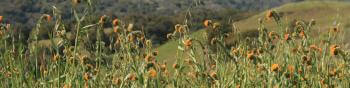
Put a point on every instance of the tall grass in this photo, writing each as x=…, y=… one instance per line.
x=285, y=57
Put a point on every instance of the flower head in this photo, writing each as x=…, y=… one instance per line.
x=102, y=19
x=314, y=47
x=275, y=67
x=152, y=73
x=1, y=17
x=75, y=2
x=302, y=34
x=334, y=50
x=250, y=55
x=213, y=75
x=149, y=58
x=207, y=23
x=131, y=77
x=47, y=17
x=86, y=76
x=176, y=66
x=269, y=14
x=286, y=37
x=188, y=43
x=115, y=22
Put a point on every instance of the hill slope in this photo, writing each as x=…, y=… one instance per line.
x=326, y=14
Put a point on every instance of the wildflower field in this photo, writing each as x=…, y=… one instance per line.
x=272, y=52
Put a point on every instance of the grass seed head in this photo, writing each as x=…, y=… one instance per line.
x=216, y=25
x=130, y=27
x=179, y=28
x=169, y=36
x=75, y=2
x=148, y=43
x=334, y=30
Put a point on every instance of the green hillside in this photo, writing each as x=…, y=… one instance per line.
x=325, y=13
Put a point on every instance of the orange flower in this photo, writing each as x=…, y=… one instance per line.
x=1, y=18
x=102, y=19
x=131, y=77
x=117, y=81
x=238, y=86
x=163, y=67
x=188, y=43
x=286, y=37
x=302, y=34
x=48, y=17
x=269, y=14
x=322, y=82
x=152, y=73
x=207, y=23
x=334, y=50
x=86, y=76
x=250, y=55
x=275, y=67
x=67, y=85
x=115, y=22
x=213, y=75
x=314, y=47
x=176, y=66
x=291, y=70
x=149, y=58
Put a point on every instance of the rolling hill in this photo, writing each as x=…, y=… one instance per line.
x=325, y=13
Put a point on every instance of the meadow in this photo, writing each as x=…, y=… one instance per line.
x=266, y=50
